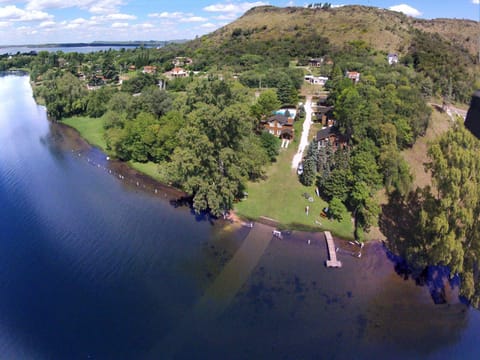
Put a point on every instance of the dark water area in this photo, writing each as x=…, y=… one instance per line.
x=96, y=266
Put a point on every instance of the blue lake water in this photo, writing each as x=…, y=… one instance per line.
x=94, y=266
x=80, y=49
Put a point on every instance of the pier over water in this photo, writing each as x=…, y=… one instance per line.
x=332, y=254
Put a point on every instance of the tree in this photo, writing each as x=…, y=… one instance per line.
x=285, y=90
x=271, y=144
x=155, y=101
x=217, y=152
x=449, y=222
x=310, y=165
x=336, y=209
x=266, y=103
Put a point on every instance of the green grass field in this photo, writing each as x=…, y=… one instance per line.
x=280, y=197
x=151, y=169
x=91, y=129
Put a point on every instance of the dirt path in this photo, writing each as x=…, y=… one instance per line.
x=297, y=158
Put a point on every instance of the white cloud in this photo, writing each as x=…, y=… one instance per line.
x=145, y=26
x=227, y=17
x=112, y=17
x=180, y=16
x=120, y=17
x=94, y=6
x=208, y=25
x=167, y=15
x=12, y=13
x=406, y=9
x=105, y=6
x=234, y=8
x=476, y=1
x=119, y=25
x=47, y=24
x=193, y=19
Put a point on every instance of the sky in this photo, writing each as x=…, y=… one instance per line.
x=57, y=21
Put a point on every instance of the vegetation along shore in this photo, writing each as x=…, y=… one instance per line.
x=222, y=117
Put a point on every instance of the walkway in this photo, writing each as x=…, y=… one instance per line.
x=332, y=253
x=451, y=110
x=306, y=130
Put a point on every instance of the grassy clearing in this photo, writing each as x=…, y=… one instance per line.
x=280, y=197
x=416, y=157
x=151, y=169
x=91, y=129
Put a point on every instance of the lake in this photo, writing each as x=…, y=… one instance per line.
x=66, y=49
x=96, y=263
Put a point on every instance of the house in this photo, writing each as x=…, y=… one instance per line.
x=316, y=62
x=149, y=69
x=279, y=125
x=332, y=135
x=324, y=114
x=392, y=59
x=353, y=75
x=181, y=61
x=176, y=72
x=316, y=80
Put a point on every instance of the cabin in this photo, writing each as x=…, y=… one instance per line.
x=324, y=115
x=149, y=69
x=392, y=59
x=331, y=135
x=353, y=75
x=180, y=61
x=280, y=126
x=316, y=62
x=176, y=72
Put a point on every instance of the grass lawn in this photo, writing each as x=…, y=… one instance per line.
x=91, y=129
x=280, y=197
x=151, y=169
x=417, y=155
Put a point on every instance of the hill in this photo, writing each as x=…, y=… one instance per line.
x=357, y=37
x=380, y=28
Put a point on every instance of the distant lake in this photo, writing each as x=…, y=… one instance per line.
x=96, y=264
x=67, y=49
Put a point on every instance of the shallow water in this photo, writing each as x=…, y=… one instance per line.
x=93, y=265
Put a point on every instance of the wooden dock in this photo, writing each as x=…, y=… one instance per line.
x=332, y=253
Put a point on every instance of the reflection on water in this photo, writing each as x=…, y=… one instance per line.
x=93, y=265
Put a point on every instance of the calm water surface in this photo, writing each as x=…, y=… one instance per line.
x=93, y=266
x=80, y=49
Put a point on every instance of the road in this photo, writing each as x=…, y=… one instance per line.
x=305, y=131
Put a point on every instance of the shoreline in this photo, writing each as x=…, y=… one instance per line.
x=78, y=142
x=73, y=139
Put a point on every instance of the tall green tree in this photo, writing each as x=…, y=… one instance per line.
x=449, y=222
